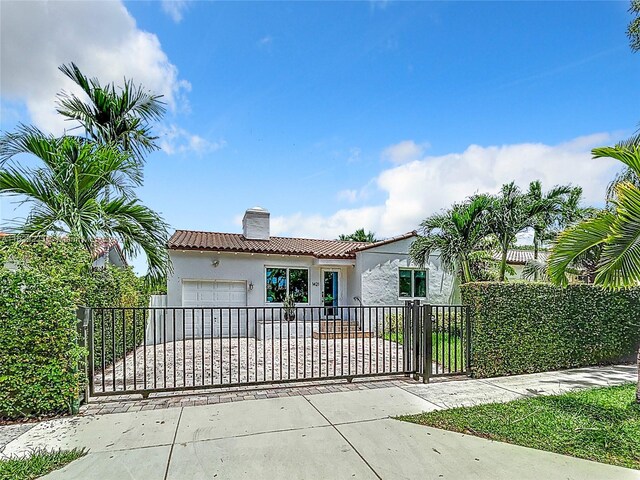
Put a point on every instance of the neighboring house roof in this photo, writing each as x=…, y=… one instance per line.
x=235, y=242
x=520, y=257
x=103, y=246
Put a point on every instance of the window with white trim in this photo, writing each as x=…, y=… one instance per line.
x=283, y=281
x=412, y=283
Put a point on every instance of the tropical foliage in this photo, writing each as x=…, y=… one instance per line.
x=616, y=231
x=84, y=186
x=469, y=234
x=359, y=236
x=633, y=31
x=117, y=116
x=84, y=190
x=459, y=234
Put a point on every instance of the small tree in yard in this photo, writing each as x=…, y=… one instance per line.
x=459, y=234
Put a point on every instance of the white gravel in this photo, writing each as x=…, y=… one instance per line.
x=214, y=361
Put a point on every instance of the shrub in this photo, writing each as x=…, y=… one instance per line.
x=59, y=264
x=524, y=327
x=115, y=287
x=39, y=353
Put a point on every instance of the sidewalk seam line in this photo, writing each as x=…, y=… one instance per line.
x=345, y=438
x=442, y=407
x=175, y=435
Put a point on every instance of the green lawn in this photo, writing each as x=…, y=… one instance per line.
x=37, y=464
x=601, y=424
x=446, y=346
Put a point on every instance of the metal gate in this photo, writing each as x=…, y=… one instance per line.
x=160, y=349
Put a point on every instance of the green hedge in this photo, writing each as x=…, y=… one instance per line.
x=115, y=287
x=525, y=327
x=39, y=353
x=55, y=264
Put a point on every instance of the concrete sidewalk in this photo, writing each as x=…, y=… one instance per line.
x=333, y=435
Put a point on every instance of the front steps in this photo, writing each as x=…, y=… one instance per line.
x=339, y=329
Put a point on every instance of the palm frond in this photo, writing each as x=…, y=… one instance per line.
x=620, y=260
x=575, y=241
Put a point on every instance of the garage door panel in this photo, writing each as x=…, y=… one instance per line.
x=205, y=318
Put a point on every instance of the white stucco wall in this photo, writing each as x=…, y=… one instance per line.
x=377, y=274
x=194, y=265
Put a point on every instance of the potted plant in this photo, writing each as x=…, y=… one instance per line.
x=289, y=308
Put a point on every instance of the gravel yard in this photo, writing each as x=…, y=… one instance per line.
x=215, y=361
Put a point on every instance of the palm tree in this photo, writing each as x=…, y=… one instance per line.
x=458, y=234
x=543, y=221
x=68, y=193
x=118, y=116
x=509, y=213
x=615, y=231
x=627, y=174
x=358, y=236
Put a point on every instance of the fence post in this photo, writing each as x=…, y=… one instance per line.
x=467, y=309
x=428, y=345
x=415, y=315
x=82, y=313
x=406, y=337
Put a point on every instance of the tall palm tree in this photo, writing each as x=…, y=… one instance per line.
x=358, y=236
x=118, y=116
x=615, y=231
x=543, y=221
x=509, y=213
x=68, y=193
x=458, y=234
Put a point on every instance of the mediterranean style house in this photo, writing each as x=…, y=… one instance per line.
x=256, y=269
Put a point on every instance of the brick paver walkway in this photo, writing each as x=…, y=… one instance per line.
x=134, y=403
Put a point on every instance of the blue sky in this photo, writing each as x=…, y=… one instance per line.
x=341, y=115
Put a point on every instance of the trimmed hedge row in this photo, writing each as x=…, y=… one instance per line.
x=39, y=353
x=62, y=269
x=525, y=327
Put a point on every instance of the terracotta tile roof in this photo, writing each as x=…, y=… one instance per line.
x=234, y=242
x=520, y=257
x=102, y=246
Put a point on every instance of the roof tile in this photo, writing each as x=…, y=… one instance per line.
x=234, y=242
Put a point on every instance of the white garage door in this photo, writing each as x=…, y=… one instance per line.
x=198, y=322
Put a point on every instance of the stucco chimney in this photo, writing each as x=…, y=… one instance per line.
x=255, y=224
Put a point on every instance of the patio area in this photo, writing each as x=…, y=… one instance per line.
x=214, y=361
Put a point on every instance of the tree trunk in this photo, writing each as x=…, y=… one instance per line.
x=503, y=262
x=535, y=253
x=466, y=271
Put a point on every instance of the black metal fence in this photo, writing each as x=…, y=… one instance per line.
x=143, y=350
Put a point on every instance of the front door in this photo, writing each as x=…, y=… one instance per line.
x=330, y=291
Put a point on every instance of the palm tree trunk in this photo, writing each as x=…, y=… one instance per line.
x=503, y=262
x=466, y=271
x=535, y=253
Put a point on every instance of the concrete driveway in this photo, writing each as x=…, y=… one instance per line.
x=333, y=435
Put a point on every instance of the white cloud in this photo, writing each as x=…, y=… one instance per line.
x=421, y=187
x=102, y=38
x=175, y=9
x=403, y=152
x=174, y=139
x=348, y=195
